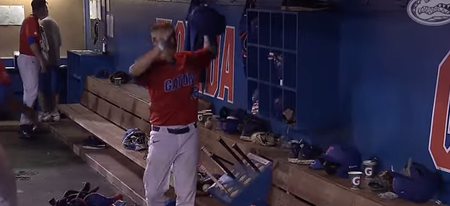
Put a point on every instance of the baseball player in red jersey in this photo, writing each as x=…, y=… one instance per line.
x=32, y=59
x=171, y=79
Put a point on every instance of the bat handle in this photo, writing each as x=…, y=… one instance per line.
x=206, y=151
x=250, y=162
x=224, y=144
x=218, y=161
x=222, y=166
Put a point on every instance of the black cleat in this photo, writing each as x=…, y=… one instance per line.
x=25, y=132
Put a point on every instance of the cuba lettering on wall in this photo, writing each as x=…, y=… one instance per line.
x=220, y=74
x=440, y=126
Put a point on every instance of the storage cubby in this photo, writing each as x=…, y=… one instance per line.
x=252, y=28
x=252, y=63
x=264, y=65
x=306, y=46
x=252, y=88
x=264, y=29
x=276, y=30
x=289, y=70
x=276, y=108
x=276, y=67
x=264, y=100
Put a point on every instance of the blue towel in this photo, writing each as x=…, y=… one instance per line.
x=197, y=27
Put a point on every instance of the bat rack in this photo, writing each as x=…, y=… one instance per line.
x=251, y=183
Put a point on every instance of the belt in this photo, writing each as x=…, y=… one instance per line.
x=182, y=130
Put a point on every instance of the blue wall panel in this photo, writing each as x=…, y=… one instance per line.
x=132, y=27
x=388, y=75
x=387, y=72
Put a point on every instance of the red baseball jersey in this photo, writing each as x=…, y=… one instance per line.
x=30, y=29
x=4, y=76
x=173, y=88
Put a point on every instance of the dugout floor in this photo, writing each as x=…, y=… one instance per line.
x=46, y=168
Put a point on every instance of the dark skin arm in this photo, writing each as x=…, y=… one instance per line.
x=207, y=45
x=37, y=53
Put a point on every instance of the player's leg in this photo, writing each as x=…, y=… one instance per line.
x=55, y=89
x=161, y=153
x=44, y=94
x=29, y=69
x=8, y=188
x=185, y=167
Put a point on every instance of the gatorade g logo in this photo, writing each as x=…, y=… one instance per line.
x=440, y=129
x=368, y=171
x=356, y=180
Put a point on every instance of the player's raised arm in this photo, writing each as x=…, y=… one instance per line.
x=207, y=45
x=163, y=38
x=144, y=62
x=203, y=57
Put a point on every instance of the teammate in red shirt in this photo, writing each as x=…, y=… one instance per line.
x=32, y=59
x=171, y=79
x=7, y=101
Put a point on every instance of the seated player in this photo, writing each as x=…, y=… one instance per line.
x=7, y=101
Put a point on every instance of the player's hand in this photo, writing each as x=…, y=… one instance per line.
x=161, y=45
x=43, y=64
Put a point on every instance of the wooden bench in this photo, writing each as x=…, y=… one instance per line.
x=292, y=184
x=106, y=114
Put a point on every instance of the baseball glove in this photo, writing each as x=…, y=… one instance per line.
x=264, y=138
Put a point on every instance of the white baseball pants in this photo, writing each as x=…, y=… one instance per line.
x=29, y=69
x=179, y=151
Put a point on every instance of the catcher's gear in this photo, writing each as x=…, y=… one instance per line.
x=135, y=139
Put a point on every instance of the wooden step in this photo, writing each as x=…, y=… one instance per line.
x=106, y=162
x=101, y=128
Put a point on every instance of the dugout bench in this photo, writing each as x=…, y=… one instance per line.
x=106, y=110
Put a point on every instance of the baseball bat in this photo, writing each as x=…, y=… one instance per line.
x=250, y=162
x=223, y=160
x=217, y=156
x=218, y=162
x=211, y=176
x=224, y=144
